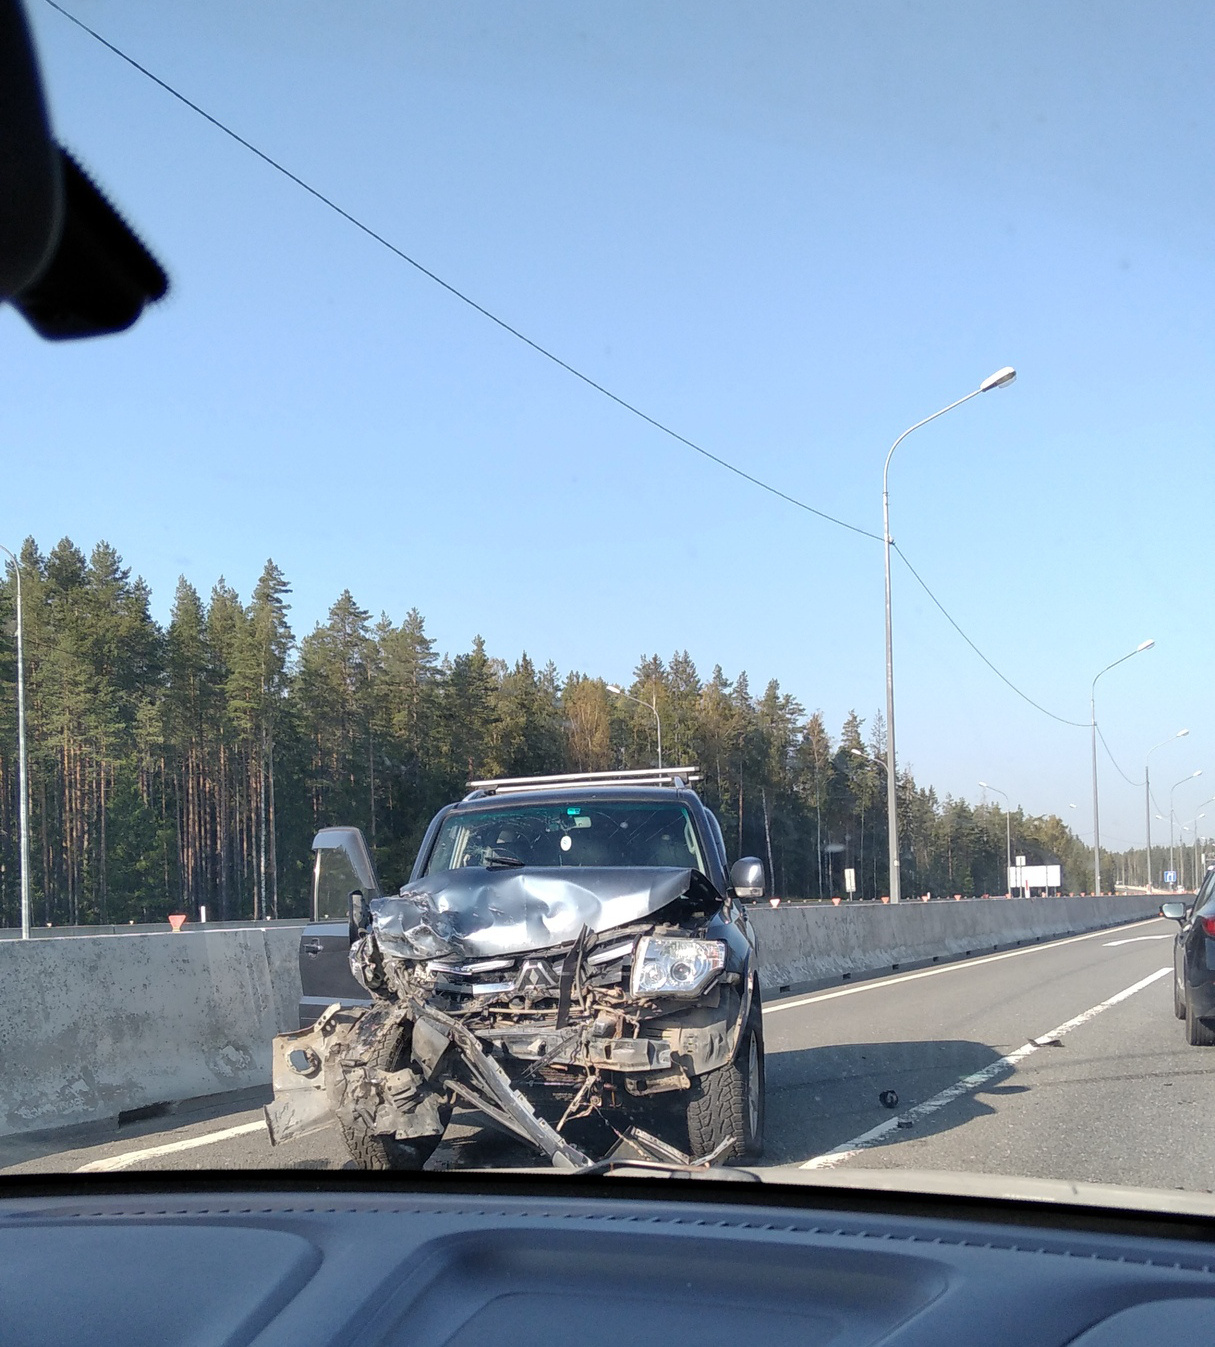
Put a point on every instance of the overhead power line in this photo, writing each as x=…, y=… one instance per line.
x=453, y=290
x=536, y=346
x=1063, y=720
x=1114, y=760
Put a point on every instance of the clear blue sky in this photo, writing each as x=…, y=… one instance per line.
x=787, y=230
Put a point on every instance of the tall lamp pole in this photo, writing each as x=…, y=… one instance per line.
x=1184, y=779
x=997, y=380
x=1197, y=817
x=1147, y=798
x=652, y=707
x=1007, y=835
x=1203, y=805
x=22, y=762
x=1092, y=706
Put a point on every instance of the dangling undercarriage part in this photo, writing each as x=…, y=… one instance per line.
x=323, y=1073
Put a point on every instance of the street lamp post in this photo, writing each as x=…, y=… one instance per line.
x=1147, y=798
x=1182, y=829
x=22, y=761
x=1092, y=706
x=651, y=707
x=997, y=380
x=1007, y=838
x=1184, y=779
x=1203, y=805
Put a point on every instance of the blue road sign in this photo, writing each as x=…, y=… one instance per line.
x=1170, y=876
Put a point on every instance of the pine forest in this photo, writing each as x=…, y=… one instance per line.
x=185, y=767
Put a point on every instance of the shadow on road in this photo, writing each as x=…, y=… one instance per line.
x=820, y=1097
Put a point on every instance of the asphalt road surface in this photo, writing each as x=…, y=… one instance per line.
x=1061, y=1060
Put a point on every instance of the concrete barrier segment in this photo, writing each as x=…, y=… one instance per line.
x=90, y=1028
x=814, y=944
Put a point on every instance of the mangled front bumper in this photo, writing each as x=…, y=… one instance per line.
x=322, y=1074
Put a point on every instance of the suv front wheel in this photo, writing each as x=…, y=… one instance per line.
x=369, y=1150
x=729, y=1102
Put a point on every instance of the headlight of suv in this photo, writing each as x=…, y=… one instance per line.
x=674, y=966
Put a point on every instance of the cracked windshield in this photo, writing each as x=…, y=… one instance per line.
x=749, y=710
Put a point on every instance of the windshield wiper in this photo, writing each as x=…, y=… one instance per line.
x=503, y=863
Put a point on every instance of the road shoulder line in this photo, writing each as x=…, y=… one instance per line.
x=113, y=1163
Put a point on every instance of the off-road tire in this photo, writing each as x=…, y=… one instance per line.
x=1178, y=999
x=729, y=1102
x=375, y=1152
x=1198, y=1033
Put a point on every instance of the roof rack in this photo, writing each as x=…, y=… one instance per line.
x=676, y=777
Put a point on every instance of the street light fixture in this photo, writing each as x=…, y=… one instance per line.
x=999, y=379
x=1184, y=779
x=1147, y=798
x=1092, y=706
x=22, y=761
x=651, y=707
x=1007, y=835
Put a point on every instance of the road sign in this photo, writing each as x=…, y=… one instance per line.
x=850, y=880
x=1035, y=877
x=1170, y=876
x=1020, y=860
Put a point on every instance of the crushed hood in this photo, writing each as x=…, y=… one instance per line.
x=484, y=913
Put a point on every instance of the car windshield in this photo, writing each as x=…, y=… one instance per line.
x=617, y=833
x=773, y=426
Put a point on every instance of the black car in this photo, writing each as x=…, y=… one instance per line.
x=1194, y=962
x=564, y=947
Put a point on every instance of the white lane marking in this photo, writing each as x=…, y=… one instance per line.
x=1134, y=939
x=848, y=1149
x=129, y=1158
x=894, y=978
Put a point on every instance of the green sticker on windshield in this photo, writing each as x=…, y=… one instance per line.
x=574, y=809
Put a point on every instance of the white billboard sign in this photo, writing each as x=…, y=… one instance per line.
x=1035, y=877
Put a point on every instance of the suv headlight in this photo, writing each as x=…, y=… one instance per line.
x=671, y=965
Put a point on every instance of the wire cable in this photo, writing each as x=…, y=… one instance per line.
x=1114, y=760
x=453, y=290
x=536, y=346
x=1063, y=720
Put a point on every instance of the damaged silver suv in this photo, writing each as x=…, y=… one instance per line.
x=566, y=948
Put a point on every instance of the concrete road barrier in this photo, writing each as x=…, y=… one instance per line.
x=813, y=944
x=92, y=1026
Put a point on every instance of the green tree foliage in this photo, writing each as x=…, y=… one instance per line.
x=187, y=767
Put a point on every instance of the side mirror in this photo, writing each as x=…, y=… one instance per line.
x=1173, y=911
x=747, y=877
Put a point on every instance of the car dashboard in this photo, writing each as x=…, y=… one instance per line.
x=636, y=1263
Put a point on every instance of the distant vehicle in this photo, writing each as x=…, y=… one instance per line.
x=1194, y=962
x=565, y=947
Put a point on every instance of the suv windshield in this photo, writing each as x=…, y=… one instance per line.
x=625, y=833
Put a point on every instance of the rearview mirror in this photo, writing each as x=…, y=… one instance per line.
x=747, y=877
x=69, y=263
x=1173, y=911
